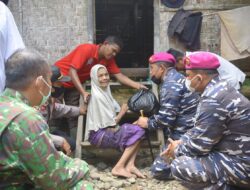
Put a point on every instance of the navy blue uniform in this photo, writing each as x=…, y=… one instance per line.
x=216, y=152
x=177, y=106
x=176, y=114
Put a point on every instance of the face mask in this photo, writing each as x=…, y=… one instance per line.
x=188, y=84
x=45, y=98
x=156, y=80
x=58, y=92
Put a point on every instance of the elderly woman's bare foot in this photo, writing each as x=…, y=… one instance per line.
x=122, y=172
x=136, y=171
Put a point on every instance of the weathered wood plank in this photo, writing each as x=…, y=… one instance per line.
x=135, y=72
x=144, y=144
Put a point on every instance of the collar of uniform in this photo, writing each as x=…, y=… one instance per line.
x=214, y=81
x=96, y=52
x=16, y=95
x=169, y=73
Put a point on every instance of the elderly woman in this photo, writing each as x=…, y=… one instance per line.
x=102, y=129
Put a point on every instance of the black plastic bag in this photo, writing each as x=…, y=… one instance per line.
x=144, y=100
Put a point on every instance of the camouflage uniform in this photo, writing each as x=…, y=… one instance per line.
x=176, y=114
x=178, y=106
x=216, y=152
x=28, y=158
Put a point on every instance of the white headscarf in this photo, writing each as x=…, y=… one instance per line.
x=102, y=106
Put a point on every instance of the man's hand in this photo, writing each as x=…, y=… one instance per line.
x=141, y=86
x=142, y=122
x=86, y=97
x=66, y=147
x=127, y=81
x=169, y=152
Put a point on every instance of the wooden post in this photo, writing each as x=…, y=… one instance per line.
x=157, y=42
x=79, y=134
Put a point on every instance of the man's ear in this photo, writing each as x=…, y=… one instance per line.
x=200, y=77
x=162, y=67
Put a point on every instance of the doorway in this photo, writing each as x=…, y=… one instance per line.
x=132, y=21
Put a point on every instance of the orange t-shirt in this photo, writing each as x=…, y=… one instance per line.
x=83, y=58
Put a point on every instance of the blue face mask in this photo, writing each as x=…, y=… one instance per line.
x=45, y=98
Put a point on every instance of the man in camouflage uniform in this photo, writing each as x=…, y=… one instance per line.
x=216, y=152
x=28, y=158
x=177, y=104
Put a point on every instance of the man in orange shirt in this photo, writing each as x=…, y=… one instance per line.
x=78, y=63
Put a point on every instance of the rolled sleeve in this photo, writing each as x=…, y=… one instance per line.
x=80, y=56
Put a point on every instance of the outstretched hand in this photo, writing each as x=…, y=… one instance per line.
x=142, y=86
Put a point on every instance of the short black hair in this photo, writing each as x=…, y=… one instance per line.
x=176, y=53
x=114, y=40
x=23, y=67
